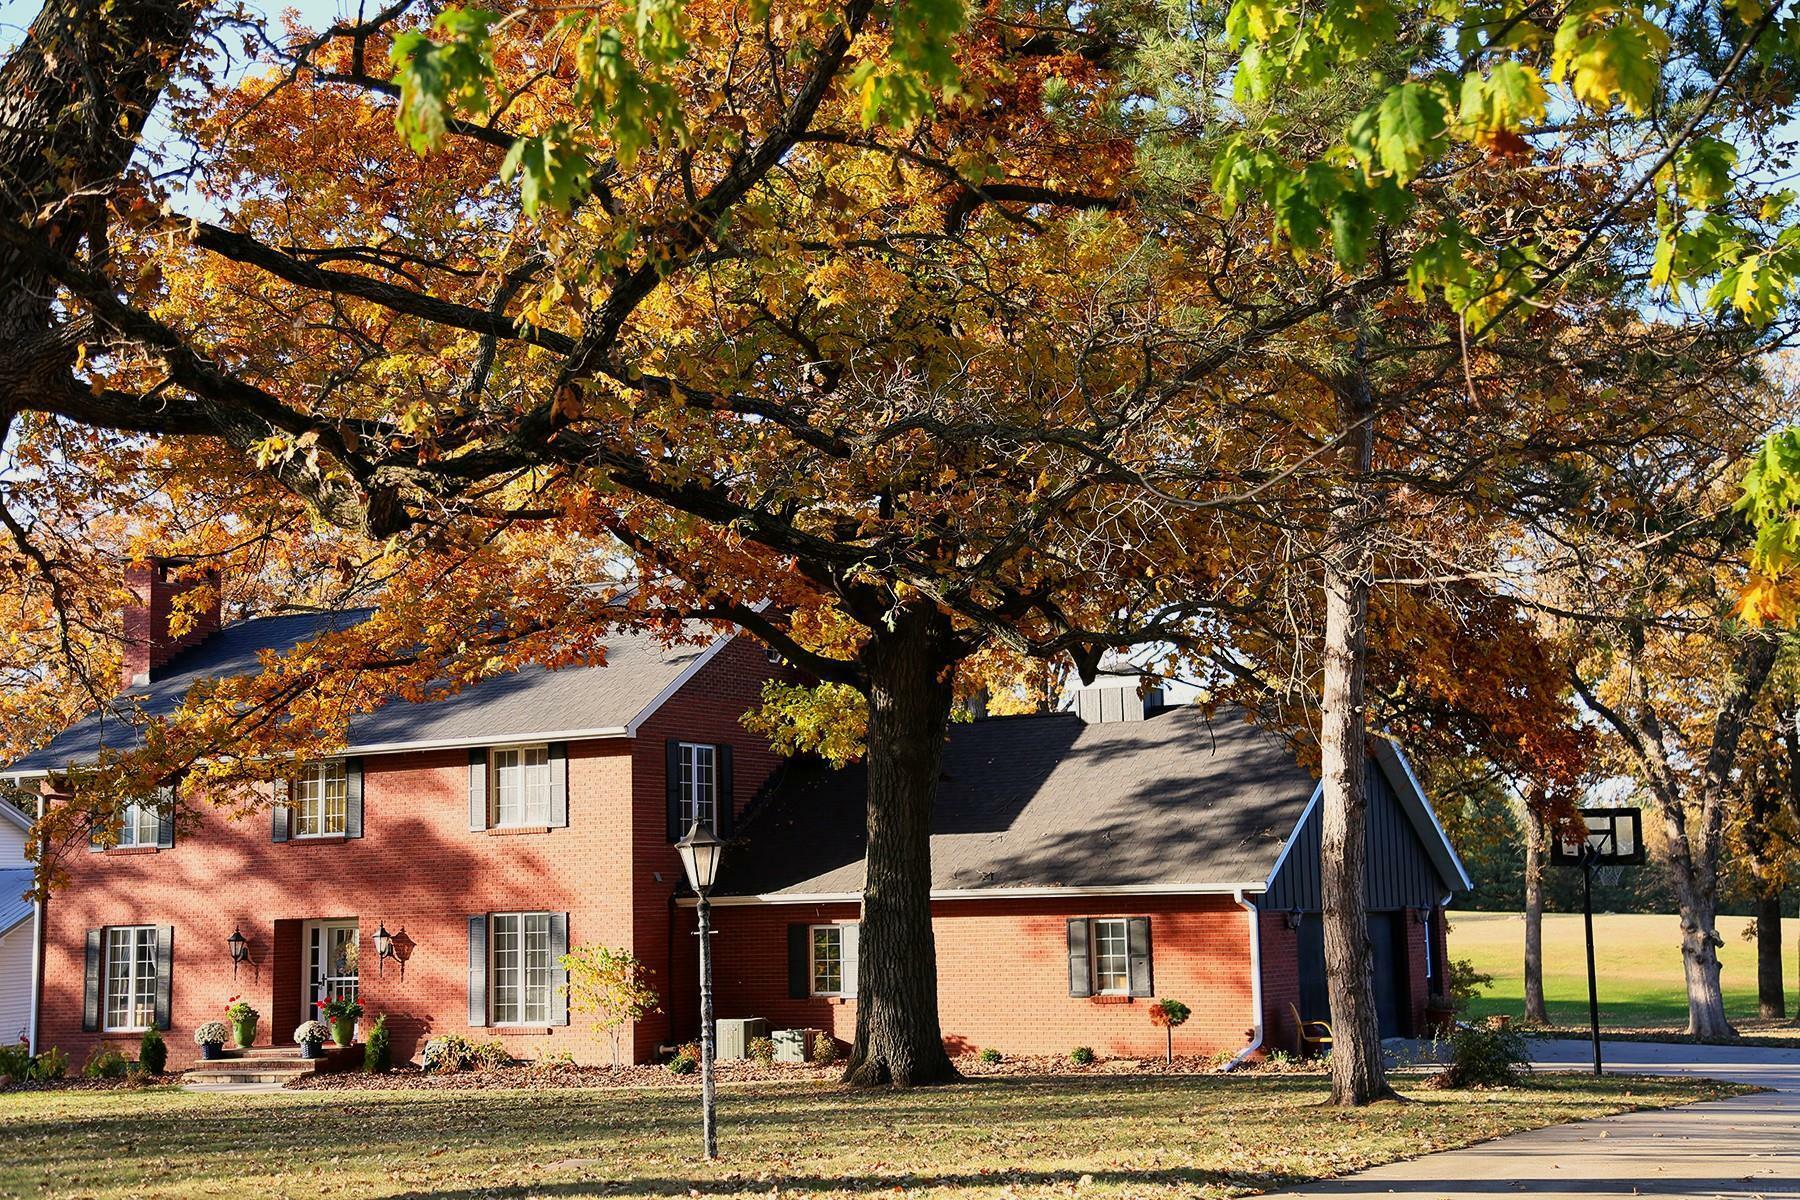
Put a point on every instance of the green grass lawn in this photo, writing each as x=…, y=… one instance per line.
x=1637, y=960
x=1021, y=1137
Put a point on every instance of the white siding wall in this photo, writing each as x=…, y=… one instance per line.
x=15, y=983
x=12, y=845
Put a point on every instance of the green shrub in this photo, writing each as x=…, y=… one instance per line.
x=51, y=1064
x=15, y=1061
x=153, y=1052
x=105, y=1064
x=1082, y=1056
x=989, y=1056
x=1466, y=982
x=377, y=1048
x=453, y=1052
x=761, y=1051
x=1481, y=1056
x=685, y=1061
x=825, y=1050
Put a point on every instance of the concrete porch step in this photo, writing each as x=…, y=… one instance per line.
x=242, y=1074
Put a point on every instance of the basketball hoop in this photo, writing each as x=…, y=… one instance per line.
x=1602, y=842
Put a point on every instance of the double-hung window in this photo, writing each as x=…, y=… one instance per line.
x=321, y=799
x=139, y=825
x=130, y=976
x=698, y=786
x=1112, y=958
x=524, y=974
x=522, y=785
x=833, y=959
x=1109, y=956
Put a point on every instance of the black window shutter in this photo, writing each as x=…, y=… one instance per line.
x=559, y=784
x=165, y=819
x=278, y=810
x=672, y=786
x=165, y=972
x=90, y=995
x=559, y=946
x=799, y=962
x=478, y=797
x=724, y=796
x=353, y=797
x=478, y=969
x=1137, y=932
x=1081, y=975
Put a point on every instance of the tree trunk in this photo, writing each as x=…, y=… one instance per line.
x=1771, y=986
x=909, y=665
x=1357, y=1076
x=1700, y=943
x=74, y=96
x=1534, y=916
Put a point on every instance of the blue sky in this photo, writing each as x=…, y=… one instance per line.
x=16, y=15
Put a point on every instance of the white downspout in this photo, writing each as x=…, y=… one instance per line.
x=1256, y=984
x=37, y=953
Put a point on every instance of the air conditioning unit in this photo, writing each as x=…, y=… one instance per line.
x=796, y=1045
x=731, y=1038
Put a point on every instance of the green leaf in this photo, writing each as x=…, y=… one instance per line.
x=436, y=78
x=1411, y=118
x=1703, y=171
x=1505, y=100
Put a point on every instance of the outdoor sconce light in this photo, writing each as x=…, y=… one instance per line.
x=396, y=946
x=1293, y=918
x=240, y=950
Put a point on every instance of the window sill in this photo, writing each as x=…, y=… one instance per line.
x=516, y=830
x=127, y=851
x=830, y=998
x=315, y=839
x=522, y=1030
x=1111, y=999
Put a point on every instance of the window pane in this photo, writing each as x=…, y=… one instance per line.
x=138, y=825
x=143, y=1010
x=828, y=960
x=536, y=773
x=508, y=799
x=130, y=977
x=119, y=945
x=506, y=969
x=697, y=785
x=1112, y=957
x=306, y=803
x=537, y=968
x=333, y=797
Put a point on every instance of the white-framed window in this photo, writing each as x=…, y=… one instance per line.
x=698, y=787
x=522, y=974
x=139, y=825
x=130, y=977
x=321, y=799
x=832, y=959
x=521, y=782
x=1111, y=944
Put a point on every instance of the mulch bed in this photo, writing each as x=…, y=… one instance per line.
x=571, y=1075
x=77, y=1083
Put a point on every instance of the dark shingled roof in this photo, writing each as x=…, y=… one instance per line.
x=1048, y=801
x=529, y=702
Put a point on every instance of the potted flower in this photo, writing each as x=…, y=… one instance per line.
x=210, y=1037
x=342, y=1014
x=310, y=1037
x=243, y=1020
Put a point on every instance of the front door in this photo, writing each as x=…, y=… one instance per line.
x=331, y=954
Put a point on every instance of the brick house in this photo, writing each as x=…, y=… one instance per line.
x=1082, y=864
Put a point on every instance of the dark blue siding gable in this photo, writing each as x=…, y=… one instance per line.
x=1401, y=873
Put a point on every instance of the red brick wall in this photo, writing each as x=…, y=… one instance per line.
x=1003, y=976
x=1418, y=929
x=1281, y=983
x=155, y=587
x=707, y=709
x=418, y=867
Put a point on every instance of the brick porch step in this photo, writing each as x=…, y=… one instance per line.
x=266, y=1065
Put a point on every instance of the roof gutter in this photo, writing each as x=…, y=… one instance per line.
x=1245, y=1055
x=1235, y=890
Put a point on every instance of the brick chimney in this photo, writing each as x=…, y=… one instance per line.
x=155, y=587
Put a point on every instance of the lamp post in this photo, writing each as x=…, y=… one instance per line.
x=700, y=852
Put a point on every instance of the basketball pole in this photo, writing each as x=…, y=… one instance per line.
x=1587, y=917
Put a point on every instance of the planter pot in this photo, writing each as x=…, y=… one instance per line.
x=212, y=1050
x=311, y=1050
x=244, y=1032
x=343, y=1031
x=1440, y=1019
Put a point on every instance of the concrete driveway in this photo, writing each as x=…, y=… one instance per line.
x=1742, y=1149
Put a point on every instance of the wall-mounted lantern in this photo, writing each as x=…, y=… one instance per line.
x=240, y=950
x=396, y=946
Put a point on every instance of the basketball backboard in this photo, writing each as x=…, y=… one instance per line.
x=1614, y=837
